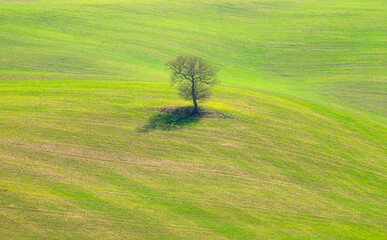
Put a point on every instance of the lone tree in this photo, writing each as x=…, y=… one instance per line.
x=194, y=77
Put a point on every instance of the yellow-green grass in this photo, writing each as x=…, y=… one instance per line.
x=327, y=51
x=303, y=156
x=75, y=164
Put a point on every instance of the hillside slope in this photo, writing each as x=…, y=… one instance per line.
x=76, y=163
x=295, y=147
x=328, y=51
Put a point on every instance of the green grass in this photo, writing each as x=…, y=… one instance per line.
x=303, y=156
x=76, y=163
x=327, y=51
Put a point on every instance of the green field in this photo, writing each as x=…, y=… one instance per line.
x=299, y=151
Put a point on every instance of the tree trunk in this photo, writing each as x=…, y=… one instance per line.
x=193, y=92
x=196, y=109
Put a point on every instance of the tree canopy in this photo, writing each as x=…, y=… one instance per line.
x=194, y=77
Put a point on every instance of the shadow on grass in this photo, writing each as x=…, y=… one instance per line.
x=172, y=118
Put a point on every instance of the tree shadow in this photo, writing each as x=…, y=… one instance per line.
x=171, y=118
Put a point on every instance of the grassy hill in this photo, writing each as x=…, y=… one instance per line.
x=329, y=51
x=85, y=154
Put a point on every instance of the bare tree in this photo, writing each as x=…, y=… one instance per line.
x=194, y=77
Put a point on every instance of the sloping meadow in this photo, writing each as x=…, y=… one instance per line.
x=76, y=164
x=95, y=143
x=327, y=51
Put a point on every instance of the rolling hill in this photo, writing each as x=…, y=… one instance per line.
x=298, y=151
